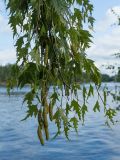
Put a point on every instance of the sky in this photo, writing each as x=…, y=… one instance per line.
x=106, y=35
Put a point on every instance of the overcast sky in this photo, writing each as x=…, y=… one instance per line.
x=106, y=35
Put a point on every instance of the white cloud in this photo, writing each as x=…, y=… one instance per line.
x=2, y=6
x=4, y=26
x=106, y=40
x=7, y=56
x=109, y=20
x=105, y=45
x=7, y=52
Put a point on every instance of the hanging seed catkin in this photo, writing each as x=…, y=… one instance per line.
x=39, y=132
x=40, y=119
x=46, y=133
x=45, y=123
x=73, y=49
x=46, y=55
x=50, y=111
x=43, y=96
x=46, y=106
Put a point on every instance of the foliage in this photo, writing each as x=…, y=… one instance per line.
x=107, y=78
x=51, y=39
x=5, y=73
x=8, y=70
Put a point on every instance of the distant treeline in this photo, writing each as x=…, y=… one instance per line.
x=5, y=73
x=107, y=78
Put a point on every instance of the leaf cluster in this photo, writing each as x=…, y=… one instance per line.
x=51, y=40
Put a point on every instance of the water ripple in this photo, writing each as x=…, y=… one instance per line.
x=18, y=140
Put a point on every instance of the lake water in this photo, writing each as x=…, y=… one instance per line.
x=18, y=140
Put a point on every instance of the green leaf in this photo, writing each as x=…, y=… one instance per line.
x=67, y=109
x=84, y=110
x=75, y=121
x=96, y=107
x=33, y=111
x=54, y=96
x=76, y=107
x=105, y=97
x=110, y=113
x=91, y=91
x=29, y=97
x=84, y=93
x=66, y=130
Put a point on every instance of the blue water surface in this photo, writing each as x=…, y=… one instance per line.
x=19, y=141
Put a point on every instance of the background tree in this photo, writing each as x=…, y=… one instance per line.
x=51, y=39
x=5, y=73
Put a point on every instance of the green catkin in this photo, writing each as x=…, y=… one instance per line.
x=40, y=136
x=46, y=55
x=45, y=123
x=40, y=120
x=50, y=111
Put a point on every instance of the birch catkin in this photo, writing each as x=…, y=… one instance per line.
x=46, y=55
x=40, y=136
x=50, y=111
x=40, y=119
x=45, y=123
